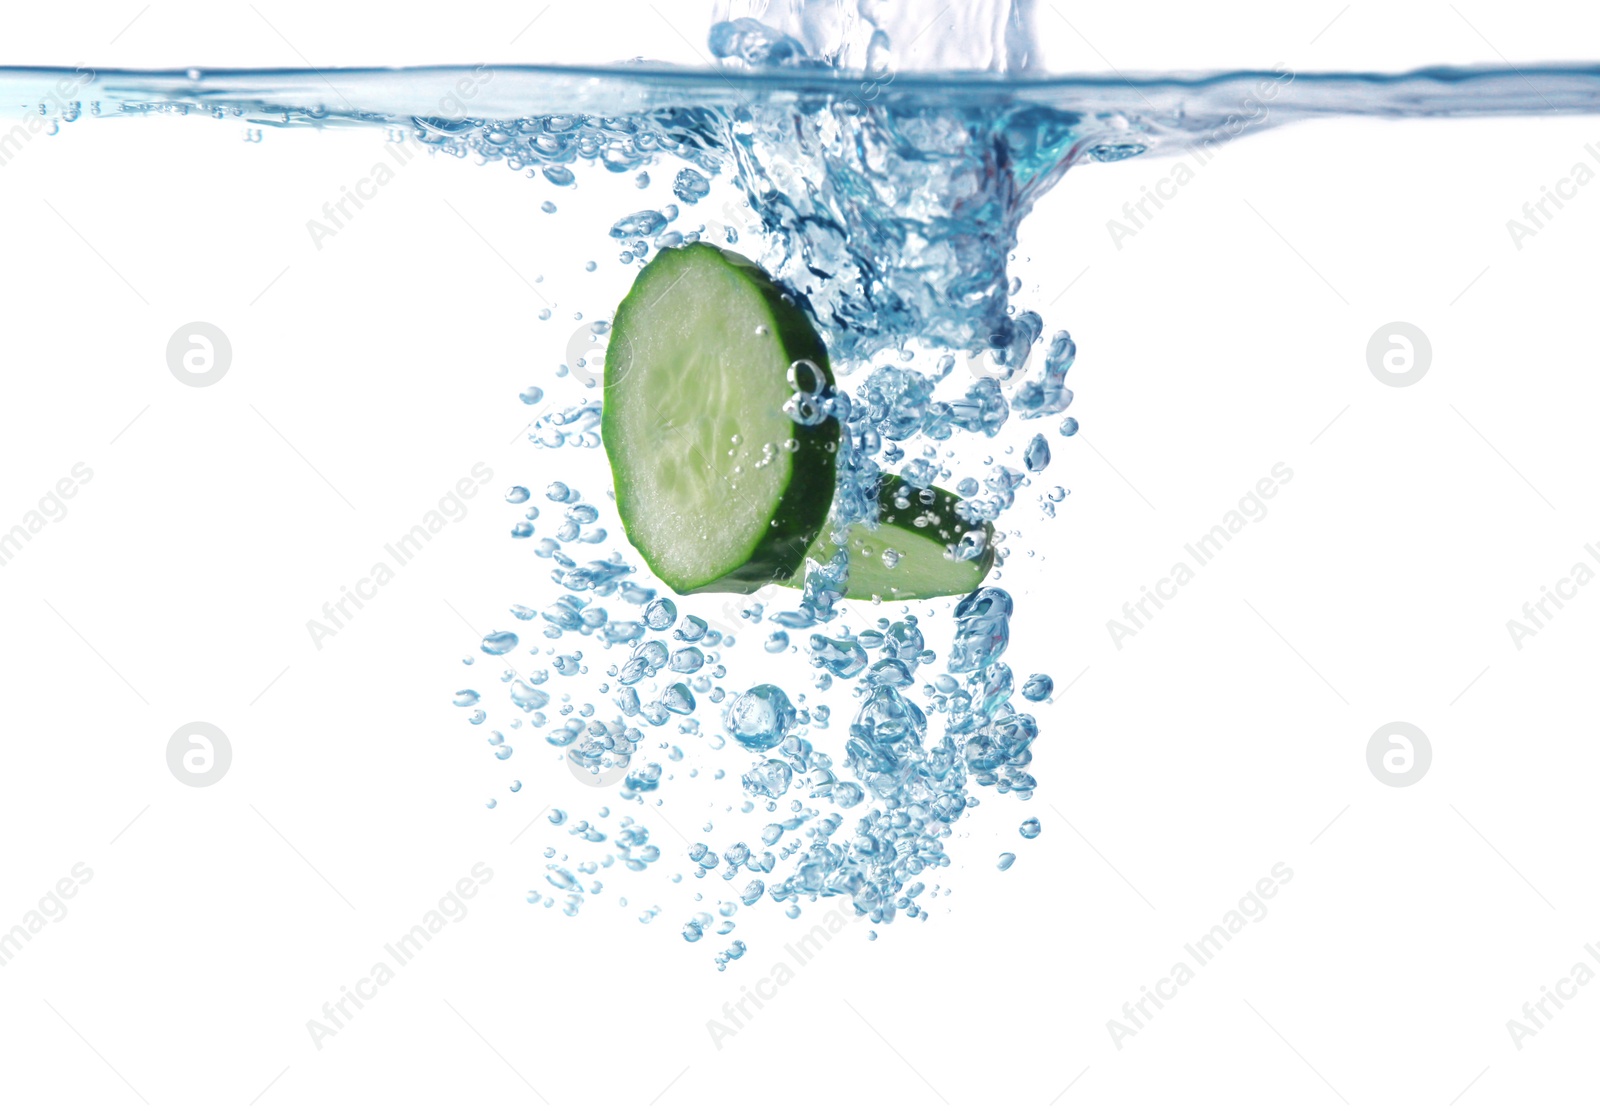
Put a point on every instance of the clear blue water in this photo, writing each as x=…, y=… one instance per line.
x=788, y=749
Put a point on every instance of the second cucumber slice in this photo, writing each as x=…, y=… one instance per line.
x=919, y=540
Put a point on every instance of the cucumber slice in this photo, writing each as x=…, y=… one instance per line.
x=922, y=536
x=693, y=421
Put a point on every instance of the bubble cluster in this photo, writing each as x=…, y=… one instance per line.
x=643, y=694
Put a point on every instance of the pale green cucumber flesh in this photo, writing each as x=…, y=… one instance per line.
x=923, y=538
x=717, y=487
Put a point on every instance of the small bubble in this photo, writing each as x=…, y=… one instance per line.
x=642, y=223
x=660, y=614
x=1037, y=457
x=499, y=643
x=1038, y=687
x=690, y=186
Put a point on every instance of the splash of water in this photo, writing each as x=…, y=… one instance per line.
x=879, y=37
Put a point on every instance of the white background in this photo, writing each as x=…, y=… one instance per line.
x=368, y=377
